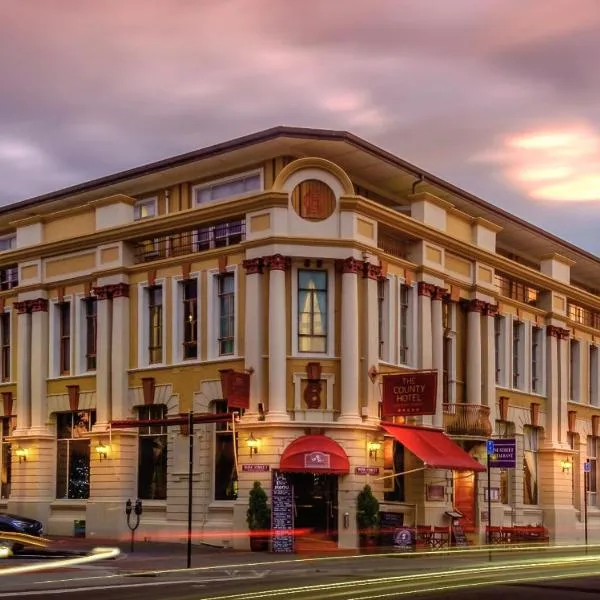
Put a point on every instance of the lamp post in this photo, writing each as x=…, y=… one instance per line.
x=137, y=510
x=586, y=478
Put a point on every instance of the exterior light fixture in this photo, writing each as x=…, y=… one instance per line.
x=102, y=450
x=566, y=465
x=22, y=453
x=373, y=447
x=252, y=444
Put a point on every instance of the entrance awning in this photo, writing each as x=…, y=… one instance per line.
x=434, y=448
x=315, y=454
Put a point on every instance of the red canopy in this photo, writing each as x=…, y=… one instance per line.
x=315, y=454
x=434, y=448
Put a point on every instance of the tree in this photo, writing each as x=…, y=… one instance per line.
x=367, y=511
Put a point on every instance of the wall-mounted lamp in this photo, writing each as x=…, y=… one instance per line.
x=22, y=453
x=252, y=444
x=102, y=450
x=566, y=465
x=373, y=447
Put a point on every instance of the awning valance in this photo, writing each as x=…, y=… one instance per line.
x=433, y=447
x=314, y=454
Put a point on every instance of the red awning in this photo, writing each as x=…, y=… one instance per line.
x=434, y=448
x=314, y=454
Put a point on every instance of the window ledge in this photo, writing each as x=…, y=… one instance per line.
x=222, y=504
x=321, y=355
x=67, y=503
x=67, y=377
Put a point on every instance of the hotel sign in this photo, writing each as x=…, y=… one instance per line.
x=235, y=388
x=409, y=394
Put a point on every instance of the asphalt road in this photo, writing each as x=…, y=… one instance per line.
x=548, y=576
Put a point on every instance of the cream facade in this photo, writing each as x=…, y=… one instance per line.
x=317, y=264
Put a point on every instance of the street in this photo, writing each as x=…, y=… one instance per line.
x=548, y=575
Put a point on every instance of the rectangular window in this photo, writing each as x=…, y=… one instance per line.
x=152, y=454
x=536, y=359
x=404, y=323
x=64, y=333
x=189, y=296
x=220, y=235
x=73, y=454
x=6, y=429
x=226, y=477
x=573, y=441
x=5, y=345
x=8, y=242
x=505, y=430
x=144, y=209
x=91, y=331
x=592, y=475
x=530, y=465
x=312, y=311
x=236, y=186
x=9, y=278
x=448, y=351
x=155, y=327
x=593, y=375
x=516, y=353
x=226, y=313
x=383, y=287
x=393, y=464
x=574, y=371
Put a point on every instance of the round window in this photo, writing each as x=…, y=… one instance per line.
x=313, y=200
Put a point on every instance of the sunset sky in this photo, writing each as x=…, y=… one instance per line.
x=500, y=97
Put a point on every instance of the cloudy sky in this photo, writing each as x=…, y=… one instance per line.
x=500, y=97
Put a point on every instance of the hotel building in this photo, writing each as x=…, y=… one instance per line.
x=316, y=263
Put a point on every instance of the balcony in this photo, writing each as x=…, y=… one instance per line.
x=471, y=420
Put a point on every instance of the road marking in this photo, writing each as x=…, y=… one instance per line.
x=98, y=588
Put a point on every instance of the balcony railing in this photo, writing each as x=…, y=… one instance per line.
x=515, y=289
x=394, y=244
x=467, y=419
x=198, y=239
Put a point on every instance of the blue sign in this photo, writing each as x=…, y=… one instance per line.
x=504, y=455
x=490, y=446
x=587, y=466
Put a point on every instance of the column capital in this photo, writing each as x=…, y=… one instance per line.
x=371, y=271
x=426, y=289
x=490, y=310
x=39, y=305
x=476, y=306
x=101, y=292
x=120, y=290
x=253, y=266
x=22, y=308
x=278, y=262
x=439, y=293
x=350, y=265
x=557, y=332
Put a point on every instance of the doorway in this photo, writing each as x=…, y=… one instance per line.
x=316, y=504
x=464, y=498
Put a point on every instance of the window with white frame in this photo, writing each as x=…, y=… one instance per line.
x=537, y=366
x=225, y=473
x=9, y=278
x=575, y=371
x=226, y=313
x=5, y=346
x=404, y=323
x=449, y=350
x=73, y=454
x=7, y=425
x=231, y=187
x=593, y=365
x=89, y=332
x=145, y=208
x=517, y=354
x=530, y=465
x=499, y=328
x=188, y=326
x=592, y=474
x=383, y=318
x=155, y=324
x=313, y=308
x=8, y=242
x=63, y=311
x=152, y=454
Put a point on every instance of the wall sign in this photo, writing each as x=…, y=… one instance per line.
x=317, y=460
x=409, y=394
x=503, y=455
x=252, y=468
x=282, y=513
x=367, y=470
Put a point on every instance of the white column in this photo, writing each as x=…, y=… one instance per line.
x=425, y=290
x=349, y=385
x=489, y=345
x=277, y=339
x=120, y=352
x=474, y=370
x=39, y=364
x=23, y=408
x=370, y=328
x=103, y=356
x=437, y=353
x=552, y=386
x=563, y=361
x=253, y=331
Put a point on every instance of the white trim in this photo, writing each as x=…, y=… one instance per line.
x=80, y=338
x=321, y=415
x=541, y=360
x=224, y=181
x=385, y=350
x=450, y=334
x=177, y=325
x=13, y=336
x=143, y=353
x=151, y=201
x=330, y=353
x=212, y=316
x=522, y=383
x=54, y=338
x=413, y=321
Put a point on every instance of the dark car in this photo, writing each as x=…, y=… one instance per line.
x=17, y=524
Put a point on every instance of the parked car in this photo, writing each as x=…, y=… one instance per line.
x=18, y=524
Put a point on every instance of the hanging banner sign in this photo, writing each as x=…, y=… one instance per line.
x=409, y=394
x=503, y=455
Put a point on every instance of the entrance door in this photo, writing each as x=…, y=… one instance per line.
x=316, y=504
x=464, y=498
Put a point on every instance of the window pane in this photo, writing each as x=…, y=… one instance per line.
x=152, y=467
x=79, y=469
x=225, y=474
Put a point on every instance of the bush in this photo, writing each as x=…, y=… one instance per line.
x=258, y=515
x=367, y=510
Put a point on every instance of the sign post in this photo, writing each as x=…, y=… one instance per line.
x=587, y=468
x=490, y=450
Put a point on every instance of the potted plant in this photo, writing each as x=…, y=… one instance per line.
x=258, y=517
x=367, y=517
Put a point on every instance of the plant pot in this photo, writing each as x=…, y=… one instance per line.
x=259, y=543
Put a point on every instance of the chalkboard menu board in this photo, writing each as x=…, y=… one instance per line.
x=458, y=536
x=390, y=524
x=282, y=513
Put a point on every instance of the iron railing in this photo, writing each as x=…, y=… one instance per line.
x=467, y=419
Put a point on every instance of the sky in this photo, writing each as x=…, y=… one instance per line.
x=499, y=97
